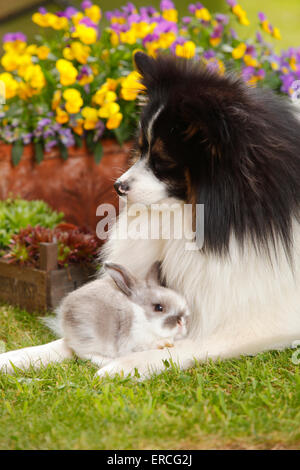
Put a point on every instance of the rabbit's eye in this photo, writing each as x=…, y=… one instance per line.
x=158, y=308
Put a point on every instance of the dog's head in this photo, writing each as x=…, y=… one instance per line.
x=189, y=120
x=210, y=139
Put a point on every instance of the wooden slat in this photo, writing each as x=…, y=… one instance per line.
x=40, y=291
x=23, y=286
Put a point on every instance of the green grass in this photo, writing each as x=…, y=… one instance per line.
x=247, y=403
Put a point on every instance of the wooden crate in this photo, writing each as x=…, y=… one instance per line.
x=41, y=290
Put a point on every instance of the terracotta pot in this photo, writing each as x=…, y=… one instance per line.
x=75, y=186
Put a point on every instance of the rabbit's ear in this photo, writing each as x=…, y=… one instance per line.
x=154, y=274
x=124, y=280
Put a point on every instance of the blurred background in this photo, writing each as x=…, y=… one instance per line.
x=16, y=15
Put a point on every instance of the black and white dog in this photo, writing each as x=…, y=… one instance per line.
x=210, y=140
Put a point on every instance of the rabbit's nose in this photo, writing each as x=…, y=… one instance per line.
x=121, y=187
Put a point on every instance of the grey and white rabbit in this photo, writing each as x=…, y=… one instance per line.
x=110, y=317
x=119, y=314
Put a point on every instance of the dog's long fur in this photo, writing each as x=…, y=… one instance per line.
x=212, y=140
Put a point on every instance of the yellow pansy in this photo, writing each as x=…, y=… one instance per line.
x=186, y=50
x=106, y=92
x=58, y=22
x=77, y=51
x=11, y=85
x=90, y=116
x=73, y=100
x=293, y=63
x=56, y=99
x=78, y=129
x=32, y=49
x=274, y=65
x=114, y=38
x=276, y=33
x=17, y=46
x=61, y=116
x=86, y=34
x=116, y=19
x=250, y=61
x=9, y=61
x=166, y=40
x=170, y=15
x=266, y=26
x=114, y=121
x=108, y=110
x=131, y=86
x=77, y=17
x=241, y=14
x=239, y=51
x=43, y=52
x=41, y=19
x=35, y=77
x=25, y=91
x=203, y=14
x=215, y=41
x=142, y=28
x=94, y=13
x=152, y=48
x=86, y=79
x=128, y=37
x=68, y=73
x=24, y=61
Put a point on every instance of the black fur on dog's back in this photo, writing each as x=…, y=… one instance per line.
x=231, y=147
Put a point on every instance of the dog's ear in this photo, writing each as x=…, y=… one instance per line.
x=211, y=123
x=146, y=66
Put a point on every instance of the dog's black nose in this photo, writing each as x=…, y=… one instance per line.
x=122, y=188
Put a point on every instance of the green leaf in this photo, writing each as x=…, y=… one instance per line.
x=98, y=152
x=63, y=151
x=89, y=142
x=38, y=151
x=78, y=141
x=17, y=151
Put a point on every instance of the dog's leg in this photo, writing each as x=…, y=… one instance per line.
x=184, y=353
x=97, y=359
x=35, y=356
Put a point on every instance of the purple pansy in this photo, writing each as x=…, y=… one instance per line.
x=12, y=37
x=86, y=4
x=166, y=5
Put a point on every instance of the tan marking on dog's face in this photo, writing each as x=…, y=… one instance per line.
x=158, y=146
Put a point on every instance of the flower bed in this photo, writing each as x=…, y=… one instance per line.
x=41, y=264
x=81, y=83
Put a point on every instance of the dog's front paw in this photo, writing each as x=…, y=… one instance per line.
x=123, y=367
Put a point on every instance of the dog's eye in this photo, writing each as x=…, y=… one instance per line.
x=158, y=308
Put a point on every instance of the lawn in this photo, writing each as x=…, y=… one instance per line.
x=239, y=404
